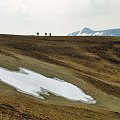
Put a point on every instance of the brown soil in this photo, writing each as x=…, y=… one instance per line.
x=91, y=63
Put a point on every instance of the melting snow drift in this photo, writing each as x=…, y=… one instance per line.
x=35, y=84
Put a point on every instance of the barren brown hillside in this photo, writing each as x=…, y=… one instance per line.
x=91, y=63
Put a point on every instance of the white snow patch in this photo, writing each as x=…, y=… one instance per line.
x=98, y=34
x=35, y=84
x=85, y=34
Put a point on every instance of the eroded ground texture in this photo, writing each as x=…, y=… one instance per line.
x=91, y=63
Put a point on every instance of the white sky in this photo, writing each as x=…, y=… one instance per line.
x=59, y=17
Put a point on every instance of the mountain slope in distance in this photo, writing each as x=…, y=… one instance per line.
x=90, y=32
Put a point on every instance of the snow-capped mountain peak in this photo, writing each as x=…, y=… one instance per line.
x=89, y=32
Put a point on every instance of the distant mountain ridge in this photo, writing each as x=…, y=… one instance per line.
x=90, y=32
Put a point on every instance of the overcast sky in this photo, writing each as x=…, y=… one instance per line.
x=59, y=17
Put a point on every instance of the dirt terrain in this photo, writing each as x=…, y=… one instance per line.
x=91, y=63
